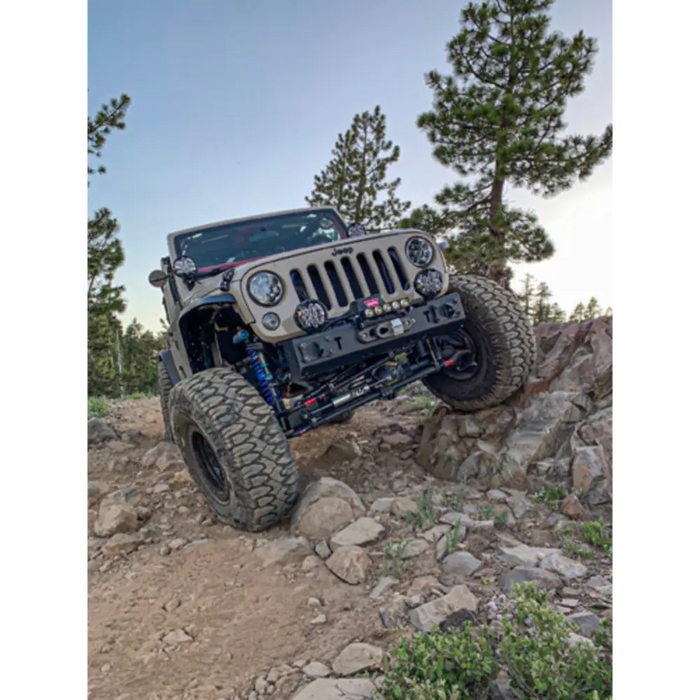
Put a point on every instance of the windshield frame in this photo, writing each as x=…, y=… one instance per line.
x=229, y=228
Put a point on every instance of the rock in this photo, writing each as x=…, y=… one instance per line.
x=161, y=488
x=575, y=639
x=502, y=513
x=461, y=564
x=324, y=517
x=362, y=532
x=520, y=505
x=310, y=563
x=572, y=508
x=480, y=464
x=497, y=496
x=342, y=451
x=122, y=544
x=592, y=474
x=350, y=564
x=522, y=555
x=435, y=533
x=422, y=585
x=587, y=621
x=382, y=505
x=171, y=605
x=320, y=619
x=260, y=685
x=181, y=478
x=565, y=567
x=338, y=689
x=397, y=440
x=114, y=517
x=326, y=506
x=323, y=550
x=402, y=507
x=415, y=548
x=522, y=574
x=164, y=550
x=500, y=688
x=99, y=432
x=316, y=670
x=467, y=427
x=600, y=585
x=165, y=455
x=357, y=657
x=178, y=636
x=383, y=585
x=460, y=619
x=393, y=614
x=96, y=490
x=177, y=543
x=283, y=551
x=432, y=614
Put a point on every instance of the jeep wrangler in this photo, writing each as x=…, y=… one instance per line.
x=281, y=323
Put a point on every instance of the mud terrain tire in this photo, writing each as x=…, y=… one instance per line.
x=164, y=387
x=504, y=344
x=234, y=449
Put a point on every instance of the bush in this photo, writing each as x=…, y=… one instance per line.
x=97, y=407
x=457, y=665
x=525, y=637
x=539, y=658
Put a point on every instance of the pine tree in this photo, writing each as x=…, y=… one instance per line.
x=355, y=179
x=105, y=255
x=593, y=309
x=498, y=121
x=578, y=314
x=527, y=294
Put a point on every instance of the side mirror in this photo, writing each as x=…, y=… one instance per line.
x=158, y=278
x=356, y=230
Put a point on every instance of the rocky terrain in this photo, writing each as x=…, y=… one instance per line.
x=411, y=516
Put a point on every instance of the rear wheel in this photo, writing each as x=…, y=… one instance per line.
x=492, y=353
x=234, y=449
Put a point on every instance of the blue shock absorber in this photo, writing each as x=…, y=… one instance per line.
x=270, y=393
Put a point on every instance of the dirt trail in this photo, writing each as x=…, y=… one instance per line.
x=241, y=618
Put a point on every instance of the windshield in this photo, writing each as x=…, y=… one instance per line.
x=236, y=243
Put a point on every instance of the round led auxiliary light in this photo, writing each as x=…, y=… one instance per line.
x=184, y=266
x=429, y=283
x=311, y=315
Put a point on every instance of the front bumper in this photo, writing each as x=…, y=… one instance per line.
x=359, y=339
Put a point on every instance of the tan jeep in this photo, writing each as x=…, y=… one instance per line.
x=280, y=323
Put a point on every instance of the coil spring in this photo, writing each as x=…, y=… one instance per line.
x=270, y=393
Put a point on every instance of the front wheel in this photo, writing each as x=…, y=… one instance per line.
x=493, y=352
x=234, y=449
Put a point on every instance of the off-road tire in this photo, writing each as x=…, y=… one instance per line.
x=497, y=325
x=164, y=388
x=249, y=446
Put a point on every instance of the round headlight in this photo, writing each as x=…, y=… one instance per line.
x=265, y=288
x=419, y=251
x=311, y=315
x=184, y=266
x=429, y=283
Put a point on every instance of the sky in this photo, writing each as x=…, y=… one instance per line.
x=236, y=105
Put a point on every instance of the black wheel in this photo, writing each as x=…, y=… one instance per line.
x=164, y=387
x=493, y=353
x=234, y=449
x=342, y=418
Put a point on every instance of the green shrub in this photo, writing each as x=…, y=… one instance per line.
x=97, y=407
x=539, y=659
x=594, y=533
x=553, y=497
x=456, y=665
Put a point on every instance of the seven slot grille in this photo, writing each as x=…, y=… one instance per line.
x=340, y=281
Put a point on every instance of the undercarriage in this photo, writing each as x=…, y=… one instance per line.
x=315, y=379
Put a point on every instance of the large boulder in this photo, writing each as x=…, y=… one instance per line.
x=559, y=427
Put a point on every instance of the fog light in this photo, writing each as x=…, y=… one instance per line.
x=404, y=303
x=379, y=311
x=369, y=313
x=387, y=308
x=429, y=283
x=271, y=321
x=395, y=305
x=311, y=315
